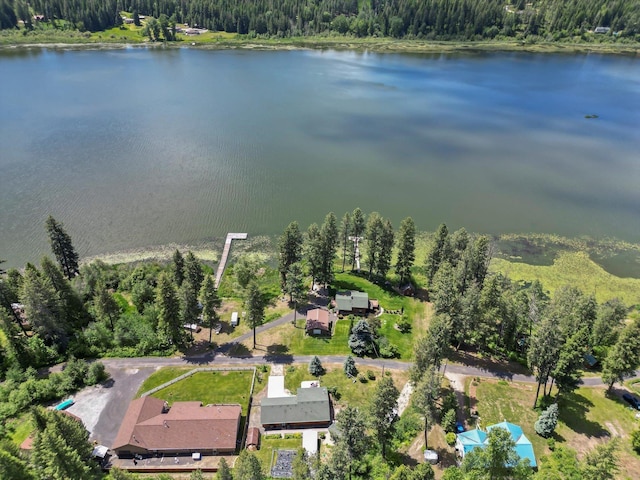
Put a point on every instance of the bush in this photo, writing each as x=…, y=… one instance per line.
x=450, y=438
x=371, y=375
x=333, y=391
x=635, y=441
x=404, y=325
x=551, y=443
x=96, y=374
x=362, y=379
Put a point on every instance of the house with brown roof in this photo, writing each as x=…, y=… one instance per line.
x=151, y=427
x=318, y=322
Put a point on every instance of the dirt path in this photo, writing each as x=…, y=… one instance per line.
x=457, y=384
x=405, y=396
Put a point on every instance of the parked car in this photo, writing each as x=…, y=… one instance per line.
x=631, y=400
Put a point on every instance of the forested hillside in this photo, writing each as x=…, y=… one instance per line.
x=423, y=19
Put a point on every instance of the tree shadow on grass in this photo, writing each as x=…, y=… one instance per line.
x=237, y=350
x=398, y=458
x=573, y=412
x=278, y=353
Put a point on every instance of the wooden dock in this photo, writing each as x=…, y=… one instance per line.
x=225, y=253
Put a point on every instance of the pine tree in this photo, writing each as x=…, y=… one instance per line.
x=62, y=248
x=373, y=238
x=315, y=367
x=255, y=309
x=430, y=350
x=314, y=252
x=105, y=307
x=290, y=250
x=361, y=339
x=300, y=466
x=247, y=467
x=210, y=303
x=353, y=438
x=383, y=411
x=329, y=242
x=224, y=472
x=437, y=253
x=345, y=232
x=426, y=393
x=350, y=368
x=406, y=249
x=295, y=287
x=177, y=267
x=383, y=263
x=169, y=321
x=547, y=422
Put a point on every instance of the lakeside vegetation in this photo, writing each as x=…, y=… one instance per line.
x=371, y=24
x=461, y=302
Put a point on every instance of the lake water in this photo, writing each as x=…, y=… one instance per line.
x=139, y=147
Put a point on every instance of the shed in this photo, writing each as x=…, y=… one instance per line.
x=234, y=319
x=431, y=456
x=253, y=438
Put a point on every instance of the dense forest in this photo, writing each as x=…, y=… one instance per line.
x=413, y=19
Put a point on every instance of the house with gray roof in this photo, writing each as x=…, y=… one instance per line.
x=354, y=302
x=309, y=408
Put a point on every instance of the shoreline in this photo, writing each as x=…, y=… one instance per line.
x=346, y=44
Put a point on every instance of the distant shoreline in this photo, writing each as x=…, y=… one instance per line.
x=344, y=44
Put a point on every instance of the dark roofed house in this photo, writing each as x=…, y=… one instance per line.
x=309, y=408
x=352, y=301
x=253, y=438
x=318, y=322
x=187, y=427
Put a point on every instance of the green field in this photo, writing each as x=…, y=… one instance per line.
x=206, y=387
x=161, y=376
x=303, y=344
x=577, y=269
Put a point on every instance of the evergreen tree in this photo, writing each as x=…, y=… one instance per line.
x=383, y=263
x=361, y=339
x=543, y=351
x=62, y=248
x=193, y=272
x=498, y=460
x=345, y=232
x=383, y=409
x=210, y=303
x=196, y=475
x=430, y=350
x=329, y=242
x=437, y=252
x=373, y=238
x=247, y=467
x=224, y=472
x=290, y=250
x=314, y=252
x=406, y=249
x=12, y=466
x=295, y=287
x=177, y=267
x=315, y=367
x=169, y=320
x=105, y=307
x=426, y=394
x=547, y=422
x=300, y=466
x=350, y=369
x=255, y=309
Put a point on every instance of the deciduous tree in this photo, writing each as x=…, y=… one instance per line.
x=624, y=357
x=601, y=463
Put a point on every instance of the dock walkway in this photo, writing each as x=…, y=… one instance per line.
x=225, y=253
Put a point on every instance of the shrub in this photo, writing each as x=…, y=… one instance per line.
x=635, y=441
x=362, y=378
x=551, y=443
x=333, y=391
x=371, y=375
x=450, y=437
x=404, y=325
x=96, y=374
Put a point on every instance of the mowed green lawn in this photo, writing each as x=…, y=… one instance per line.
x=350, y=392
x=161, y=376
x=303, y=344
x=586, y=417
x=209, y=388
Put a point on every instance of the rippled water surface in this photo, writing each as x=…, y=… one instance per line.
x=141, y=147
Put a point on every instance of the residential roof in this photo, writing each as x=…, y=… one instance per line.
x=185, y=426
x=477, y=438
x=310, y=405
x=350, y=299
x=318, y=318
x=253, y=436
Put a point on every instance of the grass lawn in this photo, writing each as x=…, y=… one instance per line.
x=269, y=445
x=573, y=268
x=21, y=428
x=161, y=376
x=211, y=387
x=357, y=394
x=587, y=418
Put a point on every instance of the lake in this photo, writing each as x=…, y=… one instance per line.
x=143, y=146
